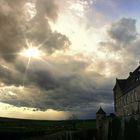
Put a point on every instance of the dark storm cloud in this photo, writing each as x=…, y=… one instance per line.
x=10, y=76
x=10, y=36
x=15, y=28
x=64, y=86
x=124, y=30
x=42, y=78
x=63, y=82
x=123, y=42
x=48, y=8
x=39, y=31
x=121, y=33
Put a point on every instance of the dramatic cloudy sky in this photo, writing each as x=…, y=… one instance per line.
x=61, y=57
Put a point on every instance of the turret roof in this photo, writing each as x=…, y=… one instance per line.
x=100, y=111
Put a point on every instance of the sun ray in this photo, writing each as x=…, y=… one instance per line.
x=31, y=52
x=41, y=44
x=25, y=73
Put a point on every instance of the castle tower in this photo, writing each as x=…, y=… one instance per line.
x=100, y=119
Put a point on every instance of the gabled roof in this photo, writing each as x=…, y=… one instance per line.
x=100, y=111
x=121, y=83
x=137, y=69
x=129, y=83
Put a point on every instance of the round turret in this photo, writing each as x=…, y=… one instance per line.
x=100, y=119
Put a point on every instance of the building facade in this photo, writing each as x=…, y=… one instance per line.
x=127, y=95
x=126, y=124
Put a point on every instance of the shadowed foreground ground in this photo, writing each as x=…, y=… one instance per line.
x=68, y=135
x=20, y=129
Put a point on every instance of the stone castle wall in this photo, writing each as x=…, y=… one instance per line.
x=129, y=103
x=120, y=128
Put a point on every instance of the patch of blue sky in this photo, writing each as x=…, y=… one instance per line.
x=114, y=9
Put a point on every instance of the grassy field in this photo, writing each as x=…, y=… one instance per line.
x=20, y=128
x=86, y=124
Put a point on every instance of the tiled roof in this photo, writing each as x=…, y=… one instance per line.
x=131, y=82
x=122, y=83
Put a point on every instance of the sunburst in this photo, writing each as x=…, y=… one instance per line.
x=31, y=52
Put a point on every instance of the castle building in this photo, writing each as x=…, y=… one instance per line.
x=100, y=115
x=100, y=121
x=127, y=95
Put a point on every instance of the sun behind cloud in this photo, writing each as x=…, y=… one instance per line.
x=31, y=52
